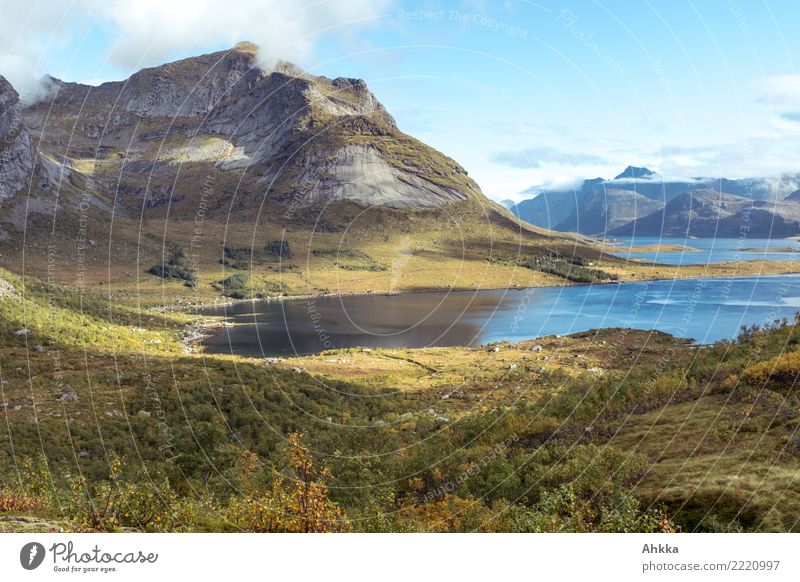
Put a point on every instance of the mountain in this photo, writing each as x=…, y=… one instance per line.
x=284, y=134
x=635, y=173
x=603, y=211
x=548, y=209
x=300, y=184
x=599, y=206
x=16, y=153
x=709, y=213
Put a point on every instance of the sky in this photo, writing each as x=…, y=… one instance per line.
x=525, y=95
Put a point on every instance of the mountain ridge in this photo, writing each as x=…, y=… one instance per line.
x=710, y=213
x=192, y=169
x=223, y=111
x=17, y=158
x=639, y=191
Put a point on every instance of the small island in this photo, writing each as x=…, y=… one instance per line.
x=770, y=250
x=654, y=248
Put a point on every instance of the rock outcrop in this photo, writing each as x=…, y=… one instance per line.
x=16, y=154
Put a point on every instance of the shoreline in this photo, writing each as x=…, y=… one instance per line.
x=204, y=330
x=215, y=303
x=187, y=309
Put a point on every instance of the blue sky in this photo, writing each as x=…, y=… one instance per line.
x=525, y=95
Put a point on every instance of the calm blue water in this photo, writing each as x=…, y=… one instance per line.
x=711, y=250
x=703, y=309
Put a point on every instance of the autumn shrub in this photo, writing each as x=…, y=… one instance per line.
x=564, y=510
x=450, y=513
x=13, y=499
x=295, y=503
x=779, y=373
x=31, y=488
x=115, y=503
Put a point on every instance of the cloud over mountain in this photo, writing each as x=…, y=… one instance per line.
x=152, y=31
x=149, y=32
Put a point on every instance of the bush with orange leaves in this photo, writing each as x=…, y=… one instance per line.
x=296, y=503
x=14, y=499
x=31, y=491
x=452, y=513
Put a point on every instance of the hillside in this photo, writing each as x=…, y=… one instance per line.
x=708, y=213
x=281, y=135
x=591, y=432
x=210, y=178
x=209, y=167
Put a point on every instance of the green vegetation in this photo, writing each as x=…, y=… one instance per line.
x=273, y=288
x=617, y=430
x=40, y=315
x=236, y=286
x=279, y=248
x=245, y=257
x=350, y=260
x=241, y=286
x=575, y=269
x=176, y=267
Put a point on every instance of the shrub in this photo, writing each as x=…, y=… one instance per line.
x=236, y=286
x=15, y=499
x=175, y=268
x=563, y=510
x=571, y=269
x=297, y=505
x=107, y=505
x=244, y=257
x=279, y=248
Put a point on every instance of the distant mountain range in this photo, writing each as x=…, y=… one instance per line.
x=639, y=201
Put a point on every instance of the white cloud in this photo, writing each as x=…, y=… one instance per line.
x=150, y=32
x=27, y=31
x=536, y=156
x=786, y=123
x=782, y=92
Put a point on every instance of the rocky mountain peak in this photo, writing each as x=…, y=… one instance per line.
x=185, y=88
x=296, y=136
x=635, y=172
x=16, y=153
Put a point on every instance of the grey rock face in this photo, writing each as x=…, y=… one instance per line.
x=283, y=134
x=16, y=153
x=186, y=88
x=359, y=173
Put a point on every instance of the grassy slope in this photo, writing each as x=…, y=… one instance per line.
x=706, y=434
x=480, y=246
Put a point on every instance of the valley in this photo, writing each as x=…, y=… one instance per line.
x=551, y=434
x=157, y=233
x=187, y=185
